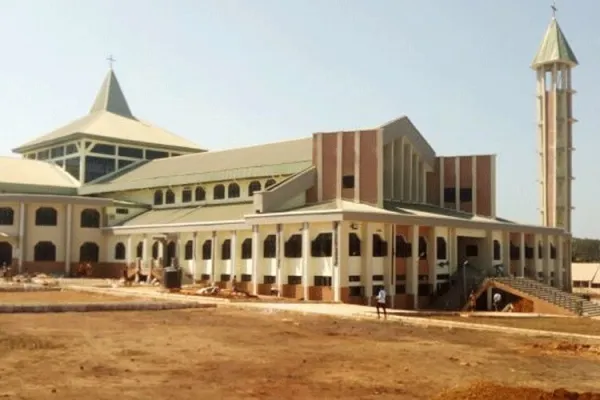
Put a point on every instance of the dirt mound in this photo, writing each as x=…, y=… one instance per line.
x=492, y=391
x=567, y=347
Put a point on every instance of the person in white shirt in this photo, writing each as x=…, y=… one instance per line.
x=381, y=303
x=497, y=299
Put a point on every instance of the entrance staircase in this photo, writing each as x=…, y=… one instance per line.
x=466, y=278
x=576, y=304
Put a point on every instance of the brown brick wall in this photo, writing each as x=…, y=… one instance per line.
x=369, y=167
x=466, y=180
x=484, y=188
x=348, y=160
x=433, y=184
x=329, y=163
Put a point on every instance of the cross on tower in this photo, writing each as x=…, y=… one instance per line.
x=110, y=60
x=554, y=9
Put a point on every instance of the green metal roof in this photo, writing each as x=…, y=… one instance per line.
x=554, y=48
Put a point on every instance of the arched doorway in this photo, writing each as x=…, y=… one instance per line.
x=89, y=252
x=5, y=253
x=171, y=251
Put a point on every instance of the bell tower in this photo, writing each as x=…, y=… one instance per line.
x=553, y=64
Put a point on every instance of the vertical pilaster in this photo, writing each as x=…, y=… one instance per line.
x=559, y=262
x=343, y=255
x=128, y=251
x=195, y=257
x=279, y=256
x=22, y=244
x=214, y=259
x=522, y=260
x=536, y=256
x=234, y=255
x=256, y=240
x=506, y=253
x=68, y=238
x=432, y=258
x=337, y=265
x=546, y=259
x=145, y=254
x=305, y=259
x=368, y=266
x=412, y=268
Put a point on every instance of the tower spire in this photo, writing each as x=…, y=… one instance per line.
x=554, y=9
x=111, y=61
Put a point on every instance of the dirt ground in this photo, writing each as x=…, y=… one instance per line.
x=584, y=326
x=55, y=297
x=228, y=353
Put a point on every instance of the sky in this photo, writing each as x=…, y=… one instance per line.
x=229, y=73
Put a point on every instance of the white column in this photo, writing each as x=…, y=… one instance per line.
x=522, y=260
x=546, y=259
x=255, y=257
x=343, y=255
x=559, y=262
x=452, y=250
x=506, y=253
x=488, y=252
x=128, y=251
x=22, y=245
x=305, y=258
x=368, y=261
x=432, y=258
x=388, y=278
x=145, y=254
x=536, y=255
x=412, y=267
x=68, y=238
x=337, y=264
x=194, y=256
x=279, y=257
x=234, y=252
x=214, y=257
x=391, y=266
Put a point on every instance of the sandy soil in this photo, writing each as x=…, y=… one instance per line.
x=228, y=353
x=584, y=326
x=66, y=296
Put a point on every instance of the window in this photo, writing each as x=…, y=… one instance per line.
x=233, y=191
x=158, y=198
x=139, y=250
x=72, y=166
x=247, y=249
x=355, y=291
x=131, y=152
x=199, y=194
x=7, y=216
x=270, y=247
x=189, y=250
x=540, y=251
x=442, y=251
x=497, y=250
x=71, y=149
x=354, y=278
x=294, y=280
x=528, y=252
x=246, y=278
x=153, y=154
x=380, y=247
x=515, y=252
x=322, y=245
x=403, y=248
x=90, y=218
x=354, y=245
x=44, y=251
x=348, y=182
x=377, y=278
x=107, y=149
x=466, y=195
x=422, y=248
x=122, y=211
x=119, y=251
x=471, y=250
x=449, y=195
x=552, y=252
x=60, y=163
x=57, y=152
x=124, y=163
x=97, y=167
x=155, y=251
x=43, y=155
x=169, y=197
x=253, y=187
x=270, y=183
x=293, y=246
x=226, y=250
x=207, y=250
x=46, y=216
x=225, y=277
x=89, y=252
x=205, y=277
x=171, y=252
x=268, y=279
x=322, y=280
x=219, y=192
x=186, y=195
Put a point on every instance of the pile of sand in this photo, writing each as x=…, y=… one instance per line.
x=493, y=391
x=568, y=347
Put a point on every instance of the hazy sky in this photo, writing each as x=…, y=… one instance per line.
x=228, y=73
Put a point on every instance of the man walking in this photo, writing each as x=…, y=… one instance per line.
x=380, y=303
x=497, y=299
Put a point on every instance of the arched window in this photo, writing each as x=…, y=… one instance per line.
x=119, y=251
x=219, y=192
x=155, y=250
x=380, y=246
x=7, y=216
x=322, y=246
x=6, y=253
x=233, y=191
x=247, y=249
x=442, y=251
x=169, y=197
x=515, y=252
x=403, y=248
x=158, y=198
x=207, y=250
x=226, y=250
x=139, y=251
x=186, y=195
x=44, y=251
x=189, y=250
x=354, y=245
x=199, y=194
x=253, y=187
x=497, y=250
x=90, y=218
x=171, y=251
x=293, y=246
x=46, y=216
x=422, y=248
x=270, y=247
x=89, y=252
x=270, y=183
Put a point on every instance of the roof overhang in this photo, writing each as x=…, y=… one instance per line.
x=163, y=229
x=55, y=199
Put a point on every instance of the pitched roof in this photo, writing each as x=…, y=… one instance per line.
x=273, y=159
x=585, y=272
x=554, y=48
x=212, y=213
x=110, y=118
x=20, y=171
